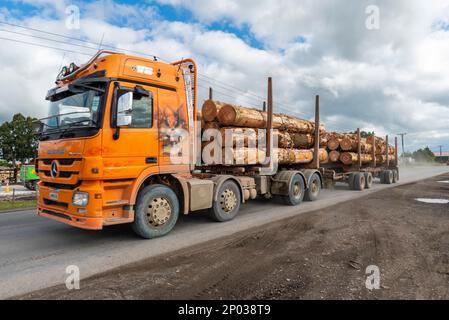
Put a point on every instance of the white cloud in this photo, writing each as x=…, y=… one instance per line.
x=389, y=80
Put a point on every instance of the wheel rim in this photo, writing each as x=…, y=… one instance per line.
x=297, y=190
x=314, y=187
x=159, y=212
x=228, y=200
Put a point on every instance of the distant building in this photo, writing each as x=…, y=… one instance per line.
x=443, y=157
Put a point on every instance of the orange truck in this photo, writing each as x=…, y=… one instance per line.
x=106, y=151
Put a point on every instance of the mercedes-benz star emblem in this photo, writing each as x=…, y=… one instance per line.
x=54, y=170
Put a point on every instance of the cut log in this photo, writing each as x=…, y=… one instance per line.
x=284, y=139
x=334, y=156
x=307, y=140
x=348, y=158
x=232, y=115
x=381, y=158
x=211, y=125
x=244, y=137
x=210, y=109
x=333, y=143
x=350, y=144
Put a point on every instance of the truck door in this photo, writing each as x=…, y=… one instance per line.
x=174, y=148
x=128, y=150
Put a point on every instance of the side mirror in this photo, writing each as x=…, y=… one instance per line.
x=124, y=109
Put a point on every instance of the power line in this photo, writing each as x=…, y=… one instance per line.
x=223, y=84
x=215, y=82
x=47, y=39
x=220, y=83
x=78, y=39
x=44, y=46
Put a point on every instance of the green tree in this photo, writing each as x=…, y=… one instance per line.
x=424, y=155
x=17, y=141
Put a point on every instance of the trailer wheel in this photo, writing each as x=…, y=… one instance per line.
x=368, y=180
x=228, y=203
x=296, y=191
x=351, y=180
x=157, y=210
x=387, y=177
x=359, y=181
x=314, y=189
x=395, y=176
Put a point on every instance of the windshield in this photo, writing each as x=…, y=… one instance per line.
x=75, y=109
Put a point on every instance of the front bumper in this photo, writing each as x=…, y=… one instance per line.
x=56, y=204
x=87, y=223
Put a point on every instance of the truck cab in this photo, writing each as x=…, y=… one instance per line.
x=111, y=130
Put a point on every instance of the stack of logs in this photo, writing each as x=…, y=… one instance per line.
x=343, y=147
x=295, y=137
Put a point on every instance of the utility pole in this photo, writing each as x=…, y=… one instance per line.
x=402, y=141
x=441, y=153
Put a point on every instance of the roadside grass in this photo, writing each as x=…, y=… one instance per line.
x=17, y=204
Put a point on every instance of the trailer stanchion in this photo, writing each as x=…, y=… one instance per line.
x=269, y=120
x=374, y=151
x=396, y=151
x=359, y=150
x=211, y=93
x=316, y=149
x=387, y=162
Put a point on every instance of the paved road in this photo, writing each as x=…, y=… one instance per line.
x=34, y=252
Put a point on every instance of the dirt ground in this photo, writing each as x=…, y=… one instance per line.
x=316, y=255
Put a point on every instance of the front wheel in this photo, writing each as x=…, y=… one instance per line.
x=157, y=210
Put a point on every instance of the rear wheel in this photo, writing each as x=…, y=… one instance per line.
x=296, y=191
x=157, y=210
x=314, y=189
x=351, y=180
x=388, y=177
x=395, y=176
x=359, y=181
x=228, y=202
x=368, y=180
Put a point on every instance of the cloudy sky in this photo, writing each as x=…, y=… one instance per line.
x=379, y=65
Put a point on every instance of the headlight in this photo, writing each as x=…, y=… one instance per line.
x=80, y=199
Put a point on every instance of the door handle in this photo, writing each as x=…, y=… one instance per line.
x=151, y=160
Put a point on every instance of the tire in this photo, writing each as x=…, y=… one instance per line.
x=314, y=189
x=359, y=181
x=395, y=176
x=388, y=177
x=295, y=191
x=351, y=180
x=228, y=202
x=368, y=180
x=157, y=211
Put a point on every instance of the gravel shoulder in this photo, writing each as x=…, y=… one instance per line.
x=318, y=255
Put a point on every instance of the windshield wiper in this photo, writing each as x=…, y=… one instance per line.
x=65, y=134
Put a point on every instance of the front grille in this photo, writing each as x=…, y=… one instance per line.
x=64, y=162
x=61, y=186
x=62, y=174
